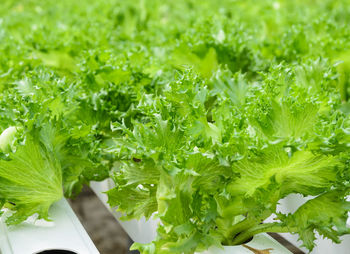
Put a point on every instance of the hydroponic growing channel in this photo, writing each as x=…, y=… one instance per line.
x=63, y=235
x=205, y=116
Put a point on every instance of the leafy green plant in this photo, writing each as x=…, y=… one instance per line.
x=213, y=167
x=205, y=115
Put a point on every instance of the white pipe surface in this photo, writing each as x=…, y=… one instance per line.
x=64, y=232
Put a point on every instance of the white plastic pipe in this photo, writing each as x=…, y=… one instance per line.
x=64, y=232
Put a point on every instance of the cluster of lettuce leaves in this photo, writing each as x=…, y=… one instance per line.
x=205, y=114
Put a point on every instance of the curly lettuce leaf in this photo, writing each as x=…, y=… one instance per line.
x=31, y=181
x=302, y=172
x=326, y=214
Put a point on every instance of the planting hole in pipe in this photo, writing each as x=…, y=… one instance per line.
x=56, y=252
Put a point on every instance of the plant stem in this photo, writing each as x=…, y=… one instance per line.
x=267, y=227
x=239, y=227
x=245, y=225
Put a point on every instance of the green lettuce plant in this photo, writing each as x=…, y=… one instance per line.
x=204, y=114
x=212, y=159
